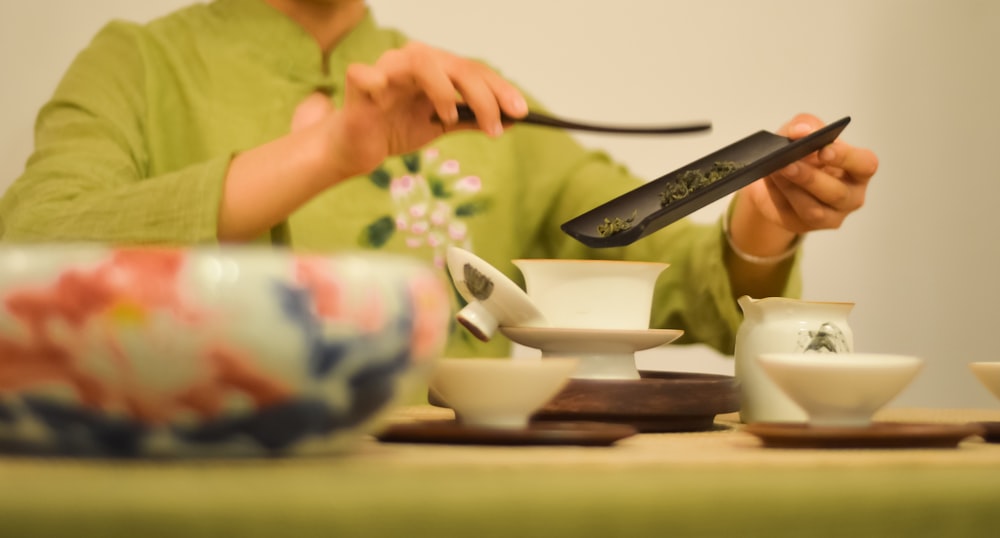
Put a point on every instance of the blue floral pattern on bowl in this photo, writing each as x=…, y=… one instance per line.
x=228, y=351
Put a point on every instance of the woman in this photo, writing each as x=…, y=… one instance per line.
x=302, y=122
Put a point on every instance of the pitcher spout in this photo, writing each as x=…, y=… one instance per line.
x=747, y=304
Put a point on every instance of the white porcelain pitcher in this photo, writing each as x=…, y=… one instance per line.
x=782, y=325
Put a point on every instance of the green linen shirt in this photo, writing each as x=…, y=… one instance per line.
x=134, y=146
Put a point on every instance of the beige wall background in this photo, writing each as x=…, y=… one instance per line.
x=920, y=79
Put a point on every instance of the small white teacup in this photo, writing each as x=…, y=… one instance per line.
x=499, y=393
x=988, y=373
x=840, y=389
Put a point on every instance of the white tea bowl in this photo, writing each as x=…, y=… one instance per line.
x=592, y=294
x=840, y=389
x=988, y=374
x=498, y=392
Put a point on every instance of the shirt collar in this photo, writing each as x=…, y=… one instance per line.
x=288, y=48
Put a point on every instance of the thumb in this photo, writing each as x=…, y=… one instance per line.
x=365, y=82
x=800, y=126
x=311, y=110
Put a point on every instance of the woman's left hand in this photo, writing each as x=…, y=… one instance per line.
x=818, y=191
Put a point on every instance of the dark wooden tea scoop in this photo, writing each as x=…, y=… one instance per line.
x=465, y=114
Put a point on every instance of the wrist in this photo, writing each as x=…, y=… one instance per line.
x=754, y=239
x=771, y=259
x=348, y=147
x=329, y=157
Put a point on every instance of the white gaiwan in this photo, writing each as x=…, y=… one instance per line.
x=988, y=373
x=599, y=311
x=592, y=294
x=499, y=393
x=596, y=311
x=842, y=389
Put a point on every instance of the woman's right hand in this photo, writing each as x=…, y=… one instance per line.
x=407, y=99
x=390, y=108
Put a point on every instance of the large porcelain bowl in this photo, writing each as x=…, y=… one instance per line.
x=840, y=389
x=208, y=351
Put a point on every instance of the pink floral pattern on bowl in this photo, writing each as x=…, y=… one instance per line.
x=132, y=352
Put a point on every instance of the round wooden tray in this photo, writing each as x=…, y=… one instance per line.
x=990, y=431
x=657, y=402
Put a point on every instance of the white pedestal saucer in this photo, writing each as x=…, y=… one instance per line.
x=603, y=354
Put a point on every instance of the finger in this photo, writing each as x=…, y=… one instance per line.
x=365, y=82
x=475, y=80
x=805, y=209
x=432, y=79
x=827, y=188
x=512, y=102
x=858, y=163
x=311, y=110
x=799, y=126
x=480, y=97
x=782, y=207
x=771, y=202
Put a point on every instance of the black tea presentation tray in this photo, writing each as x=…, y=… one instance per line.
x=677, y=194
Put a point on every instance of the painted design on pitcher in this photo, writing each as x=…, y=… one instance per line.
x=828, y=338
x=67, y=363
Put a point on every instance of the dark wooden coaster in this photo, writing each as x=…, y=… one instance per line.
x=537, y=433
x=877, y=435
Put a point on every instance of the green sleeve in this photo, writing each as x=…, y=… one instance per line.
x=693, y=294
x=88, y=177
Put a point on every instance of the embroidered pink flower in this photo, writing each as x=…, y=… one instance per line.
x=439, y=260
x=469, y=184
x=418, y=211
x=457, y=230
x=440, y=214
x=449, y=167
x=420, y=227
x=402, y=186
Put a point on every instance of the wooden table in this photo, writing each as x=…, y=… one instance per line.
x=715, y=483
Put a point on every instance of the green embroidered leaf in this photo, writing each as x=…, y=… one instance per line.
x=438, y=188
x=378, y=233
x=412, y=162
x=381, y=178
x=472, y=207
